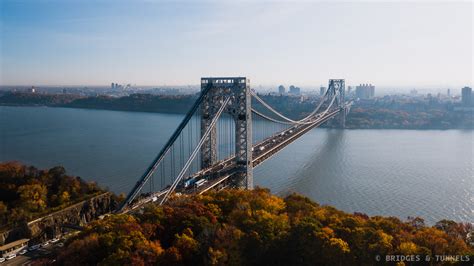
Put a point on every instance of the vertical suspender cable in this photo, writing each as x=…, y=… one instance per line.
x=196, y=151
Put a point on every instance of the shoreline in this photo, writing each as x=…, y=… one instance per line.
x=182, y=113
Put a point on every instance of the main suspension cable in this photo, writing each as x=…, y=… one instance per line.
x=289, y=120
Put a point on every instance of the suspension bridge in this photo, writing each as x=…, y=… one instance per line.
x=223, y=137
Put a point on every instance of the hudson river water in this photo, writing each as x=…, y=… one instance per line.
x=426, y=173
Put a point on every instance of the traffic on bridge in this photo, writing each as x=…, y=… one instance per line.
x=232, y=96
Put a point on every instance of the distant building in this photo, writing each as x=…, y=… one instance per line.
x=116, y=86
x=281, y=89
x=466, y=96
x=294, y=90
x=365, y=91
x=322, y=90
x=32, y=90
x=413, y=92
x=349, y=90
x=448, y=93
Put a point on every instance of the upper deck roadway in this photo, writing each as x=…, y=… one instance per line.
x=217, y=174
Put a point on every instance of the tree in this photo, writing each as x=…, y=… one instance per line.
x=3, y=213
x=64, y=198
x=408, y=248
x=237, y=227
x=26, y=191
x=33, y=197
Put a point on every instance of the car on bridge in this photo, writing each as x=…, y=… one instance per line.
x=189, y=182
x=200, y=182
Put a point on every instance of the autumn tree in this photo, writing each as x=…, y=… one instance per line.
x=33, y=196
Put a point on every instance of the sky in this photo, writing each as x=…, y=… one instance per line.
x=72, y=42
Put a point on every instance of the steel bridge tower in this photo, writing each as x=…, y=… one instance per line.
x=338, y=85
x=239, y=108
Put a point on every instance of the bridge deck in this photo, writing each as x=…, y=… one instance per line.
x=219, y=173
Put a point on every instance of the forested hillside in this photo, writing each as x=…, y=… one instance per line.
x=27, y=192
x=237, y=227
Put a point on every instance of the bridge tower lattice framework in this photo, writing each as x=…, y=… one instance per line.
x=338, y=86
x=239, y=108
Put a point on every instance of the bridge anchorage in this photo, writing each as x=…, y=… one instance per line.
x=219, y=141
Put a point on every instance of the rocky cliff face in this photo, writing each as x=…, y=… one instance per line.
x=56, y=223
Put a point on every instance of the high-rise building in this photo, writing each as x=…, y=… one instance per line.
x=112, y=86
x=466, y=94
x=294, y=90
x=449, y=93
x=281, y=89
x=322, y=90
x=365, y=91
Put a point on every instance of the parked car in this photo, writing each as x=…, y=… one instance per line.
x=45, y=244
x=23, y=251
x=2, y=259
x=54, y=240
x=60, y=245
x=11, y=256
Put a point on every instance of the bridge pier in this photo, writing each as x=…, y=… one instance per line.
x=338, y=85
x=238, y=88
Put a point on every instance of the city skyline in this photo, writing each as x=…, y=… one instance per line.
x=162, y=43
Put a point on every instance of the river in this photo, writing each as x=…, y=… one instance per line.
x=426, y=173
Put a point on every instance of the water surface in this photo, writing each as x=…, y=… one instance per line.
x=379, y=172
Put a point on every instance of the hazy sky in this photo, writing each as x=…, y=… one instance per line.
x=175, y=43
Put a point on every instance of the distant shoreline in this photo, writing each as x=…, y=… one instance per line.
x=176, y=112
x=374, y=114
